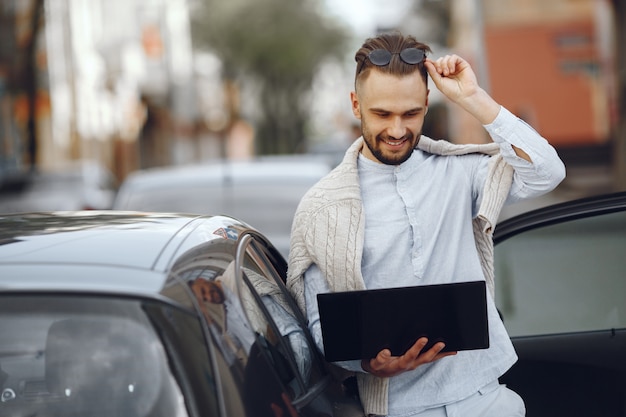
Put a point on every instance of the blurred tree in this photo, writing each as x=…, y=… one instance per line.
x=278, y=44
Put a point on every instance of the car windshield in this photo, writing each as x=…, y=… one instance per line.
x=563, y=278
x=82, y=356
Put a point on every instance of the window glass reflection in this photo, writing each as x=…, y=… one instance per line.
x=282, y=338
x=564, y=278
x=83, y=356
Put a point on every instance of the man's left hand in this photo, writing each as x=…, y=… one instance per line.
x=384, y=365
x=455, y=78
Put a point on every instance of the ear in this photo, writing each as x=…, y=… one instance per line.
x=356, y=108
x=427, y=94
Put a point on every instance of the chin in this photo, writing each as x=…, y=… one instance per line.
x=394, y=159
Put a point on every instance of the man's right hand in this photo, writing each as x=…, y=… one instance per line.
x=384, y=365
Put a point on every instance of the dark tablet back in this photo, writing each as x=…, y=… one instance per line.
x=359, y=324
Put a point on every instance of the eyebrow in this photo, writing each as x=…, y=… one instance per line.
x=381, y=110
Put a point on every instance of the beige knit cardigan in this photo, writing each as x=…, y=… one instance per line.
x=328, y=230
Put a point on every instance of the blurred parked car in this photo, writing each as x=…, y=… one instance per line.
x=561, y=288
x=84, y=185
x=263, y=192
x=123, y=314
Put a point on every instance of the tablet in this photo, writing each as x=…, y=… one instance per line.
x=359, y=324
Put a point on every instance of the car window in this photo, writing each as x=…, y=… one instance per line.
x=282, y=331
x=76, y=356
x=211, y=280
x=564, y=278
x=252, y=381
x=273, y=317
x=266, y=359
x=188, y=355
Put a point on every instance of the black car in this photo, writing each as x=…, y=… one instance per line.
x=561, y=289
x=113, y=313
x=125, y=314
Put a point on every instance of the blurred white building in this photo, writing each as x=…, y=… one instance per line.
x=105, y=59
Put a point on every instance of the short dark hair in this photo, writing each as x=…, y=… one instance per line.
x=393, y=42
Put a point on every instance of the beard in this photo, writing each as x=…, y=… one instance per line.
x=387, y=157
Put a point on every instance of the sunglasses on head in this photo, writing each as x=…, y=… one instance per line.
x=382, y=57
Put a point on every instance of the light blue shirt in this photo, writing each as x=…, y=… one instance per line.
x=418, y=231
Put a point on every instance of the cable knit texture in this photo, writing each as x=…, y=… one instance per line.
x=328, y=230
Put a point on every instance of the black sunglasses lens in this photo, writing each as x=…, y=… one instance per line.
x=380, y=57
x=412, y=55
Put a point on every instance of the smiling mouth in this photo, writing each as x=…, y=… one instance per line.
x=395, y=142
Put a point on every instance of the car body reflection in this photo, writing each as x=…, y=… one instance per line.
x=153, y=315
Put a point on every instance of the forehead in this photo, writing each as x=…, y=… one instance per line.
x=388, y=91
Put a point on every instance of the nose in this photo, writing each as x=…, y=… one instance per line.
x=397, y=129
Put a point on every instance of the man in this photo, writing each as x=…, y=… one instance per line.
x=402, y=209
x=224, y=314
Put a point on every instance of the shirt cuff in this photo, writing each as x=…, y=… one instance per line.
x=509, y=128
x=498, y=128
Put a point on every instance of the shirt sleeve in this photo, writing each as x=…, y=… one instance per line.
x=531, y=179
x=314, y=283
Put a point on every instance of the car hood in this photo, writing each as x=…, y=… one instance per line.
x=104, y=251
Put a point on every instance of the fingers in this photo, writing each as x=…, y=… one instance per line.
x=417, y=347
x=381, y=360
x=454, y=77
x=447, y=65
x=444, y=354
x=414, y=357
x=386, y=365
x=433, y=72
x=405, y=362
x=417, y=357
x=435, y=353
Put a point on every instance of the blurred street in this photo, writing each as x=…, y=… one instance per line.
x=133, y=85
x=173, y=200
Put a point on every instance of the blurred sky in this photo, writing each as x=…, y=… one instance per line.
x=364, y=16
x=332, y=117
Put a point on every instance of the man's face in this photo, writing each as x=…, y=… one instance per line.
x=391, y=110
x=208, y=291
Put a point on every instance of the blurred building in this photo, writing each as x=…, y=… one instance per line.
x=121, y=81
x=23, y=87
x=550, y=62
x=118, y=80
x=105, y=80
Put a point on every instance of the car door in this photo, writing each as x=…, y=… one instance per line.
x=284, y=341
x=561, y=289
x=265, y=360
x=203, y=278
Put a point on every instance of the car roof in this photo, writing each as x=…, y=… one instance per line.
x=101, y=251
x=248, y=171
x=263, y=192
